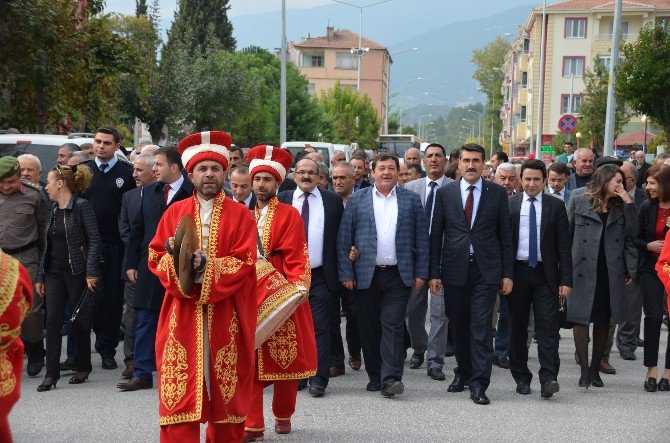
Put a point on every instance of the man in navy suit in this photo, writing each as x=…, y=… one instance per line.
x=171, y=186
x=557, y=181
x=240, y=187
x=471, y=255
x=321, y=211
x=387, y=224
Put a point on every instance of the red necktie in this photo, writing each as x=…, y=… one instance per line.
x=166, y=193
x=469, y=203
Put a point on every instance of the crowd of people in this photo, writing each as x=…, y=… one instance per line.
x=496, y=254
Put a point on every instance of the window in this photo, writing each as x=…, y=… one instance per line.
x=523, y=113
x=575, y=28
x=526, y=45
x=524, y=79
x=346, y=60
x=348, y=87
x=576, y=103
x=573, y=66
x=663, y=22
x=311, y=88
x=624, y=28
x=312, y=60
x=607, y=59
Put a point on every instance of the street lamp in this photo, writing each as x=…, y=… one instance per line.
x=421, y=122
x=579, y=139
x=479, y=122
x=473, y=126
x=388, y=86
x=360, y=50
x=402, y=97
x=645, y=120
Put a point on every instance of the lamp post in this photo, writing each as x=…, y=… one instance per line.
x=402, y=98
x=421, y=122
x=480, y=115
x=579, y=139
x=645, y=120
x=473, y=126
x=282, y=82
x=388, y=86
x=360, y=50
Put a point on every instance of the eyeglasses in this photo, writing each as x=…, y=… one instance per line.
x=310, y=173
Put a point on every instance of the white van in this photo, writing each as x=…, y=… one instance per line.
x=327, y=150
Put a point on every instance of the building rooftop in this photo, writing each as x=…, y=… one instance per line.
x=608, y=4
x=338, y=39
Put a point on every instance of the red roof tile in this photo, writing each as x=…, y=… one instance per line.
x=342, y=39
x=609, y=4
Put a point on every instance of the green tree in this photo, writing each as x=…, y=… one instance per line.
x=643, y=76
x=393, y=124
x=488, y=61
x=593, y=110
x=202, y=25
x=349, y=117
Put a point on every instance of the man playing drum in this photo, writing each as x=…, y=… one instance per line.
x=205, y=337
x=290, y=353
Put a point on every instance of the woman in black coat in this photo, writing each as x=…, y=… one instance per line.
x=653, y=221
x=70, y=264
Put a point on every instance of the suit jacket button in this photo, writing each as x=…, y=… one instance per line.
x=584, y=240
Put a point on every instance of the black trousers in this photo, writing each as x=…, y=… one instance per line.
x=470, y=309
x=653, y=304
x=64, y=289
x=107, y=321
x=321, y=301
x=531, y=289
x=352, y=334
x=381, y=310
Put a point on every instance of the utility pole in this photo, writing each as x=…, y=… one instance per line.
x=540, y=101
x=608, y=149
x=282, y=84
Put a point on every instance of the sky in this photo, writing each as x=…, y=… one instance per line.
x=237, y=7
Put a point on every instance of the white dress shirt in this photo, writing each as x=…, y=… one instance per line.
x=246, y=201
x=110, y=163
x=476, y=194
x=524, y=223
x=317, y=220
x=440, y=182
x=386, y=221
x=174, y=187
x=560, y=195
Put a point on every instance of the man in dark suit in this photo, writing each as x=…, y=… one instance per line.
x=360, y=172
x=171, y=186
x=240, y=186
x=542, y=273
x=471, y=255
x=321, y=211
x=387, y=225
x=642, y=166
x=130, y=208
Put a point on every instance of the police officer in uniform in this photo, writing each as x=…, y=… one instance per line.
x=23, y=236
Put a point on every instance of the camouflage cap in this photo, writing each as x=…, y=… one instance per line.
x=9, y=166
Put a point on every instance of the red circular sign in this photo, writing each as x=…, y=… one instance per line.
x=567, y=124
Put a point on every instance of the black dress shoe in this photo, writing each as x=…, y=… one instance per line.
x=79, y=378
x=302, y=384
x=640, y=343
x=584, y=381
x=68, y=365
x=449, y=352
x=627, y=356
x=36, y=355
x=458, y=385
x=47, y=384
x=523, y=388
x=549, y=389
x=108, y=362
x=416, y=361
x=501, y=362
x=479, y=397
x=373, y=386
x=663, y=385
x=436, y=374
x=596, y=380
x=316, y=391
x=650, y=384
x=135, y=384
x=393, y=389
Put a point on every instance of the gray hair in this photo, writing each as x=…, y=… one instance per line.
x=347, y=166
x=150, y=149
x=580, y=150
x=33, y=158
x=82, y=156
x=509, y=167
x=660, y=158
x=323, y=169
x=71, y=147
x=147, y=159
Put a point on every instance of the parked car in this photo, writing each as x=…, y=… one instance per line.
x=44, y=146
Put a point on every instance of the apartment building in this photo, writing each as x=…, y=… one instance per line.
x=328, y=59
x=577, y=32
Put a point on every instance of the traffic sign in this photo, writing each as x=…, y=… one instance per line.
x=547, y=149
x=567, y=124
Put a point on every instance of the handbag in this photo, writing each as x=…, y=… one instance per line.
x=563, y=314
x=84, y=311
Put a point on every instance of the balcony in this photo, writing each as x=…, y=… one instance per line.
x=608, y=37
x=522, y=96
x=520, y=133
x=523, y=62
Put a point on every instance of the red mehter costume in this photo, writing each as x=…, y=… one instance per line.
x=663, y=267
x=205, y=339
x=289, y=354
x=16, y=295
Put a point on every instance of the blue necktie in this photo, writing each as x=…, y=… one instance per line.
x=429, y=201
x=103, y=167
x=532, y=234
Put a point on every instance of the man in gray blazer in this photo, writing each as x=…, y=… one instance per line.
x=471, y=255
x=386, y=223
x=435, y=161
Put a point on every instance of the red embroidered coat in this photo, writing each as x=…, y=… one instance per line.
x=227, y=298
x=16, y=295
x=290, y=353
x=663, y=266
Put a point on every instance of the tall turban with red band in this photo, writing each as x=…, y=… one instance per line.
x=268, y=158
x=201, y=146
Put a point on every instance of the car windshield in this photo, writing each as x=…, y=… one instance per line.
x=46, y=153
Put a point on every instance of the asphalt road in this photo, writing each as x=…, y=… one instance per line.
x=621, y=411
